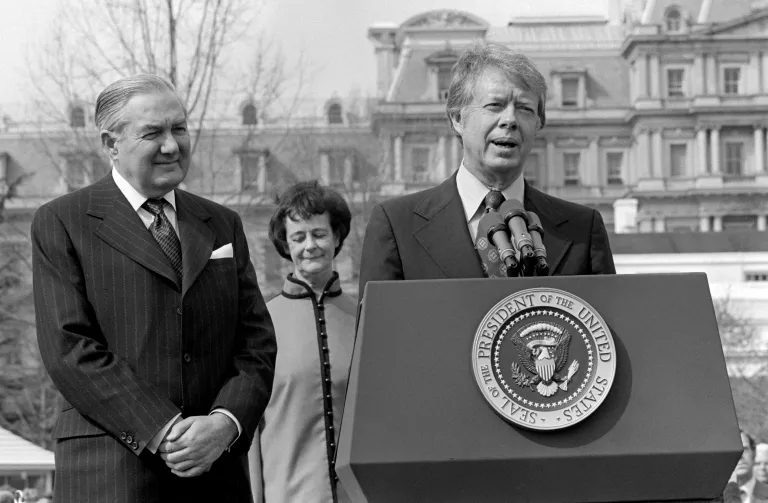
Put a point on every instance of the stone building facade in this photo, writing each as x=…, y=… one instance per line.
x=656, y=116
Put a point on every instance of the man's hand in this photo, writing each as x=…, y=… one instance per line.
x=194, y=443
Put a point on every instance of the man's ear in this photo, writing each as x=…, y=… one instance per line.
x=458, y=123
x=109, y=143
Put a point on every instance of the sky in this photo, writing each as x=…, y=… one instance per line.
x=332, y=34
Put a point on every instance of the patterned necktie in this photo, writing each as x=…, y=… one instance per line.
x=163, y=232
x=493, y=267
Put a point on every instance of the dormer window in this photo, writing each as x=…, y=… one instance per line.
x=673, y=20
x=571, y=85
x=250, y=115
x=77, y=117
x=440, y=68
x=334, y=114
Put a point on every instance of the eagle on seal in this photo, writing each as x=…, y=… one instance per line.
x=542, y=349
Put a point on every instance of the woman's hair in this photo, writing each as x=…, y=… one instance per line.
x=302, y=201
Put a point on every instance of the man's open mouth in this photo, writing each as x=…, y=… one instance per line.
x=505, y=143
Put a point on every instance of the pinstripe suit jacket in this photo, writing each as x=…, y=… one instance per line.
x=129, y=346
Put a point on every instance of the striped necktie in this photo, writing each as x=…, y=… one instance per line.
x=163, y=232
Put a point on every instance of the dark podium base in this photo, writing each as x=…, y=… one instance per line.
x=417, y=429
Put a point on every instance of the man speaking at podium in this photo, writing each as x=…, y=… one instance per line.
x=496, y=105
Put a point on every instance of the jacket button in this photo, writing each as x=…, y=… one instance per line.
x=178, y=311
x=122, y=435
x=135, y=446
x=187, y=357
x=129, y=439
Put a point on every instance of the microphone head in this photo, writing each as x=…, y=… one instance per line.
x=489, y=221
x=513, y=208
x=534, y=223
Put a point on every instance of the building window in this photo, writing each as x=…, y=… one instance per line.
x=420, y=164
x=77, y=117
x=570, y=87
x=334, y=114
x=731, y=78
x=444, y=74
x=739, y=222
x=613, y=161
x=531, y=173
x=673, y=20
x=250, y=115
x=336, y=166
x=678, y=153
x=571, y=168
x=250, y=167
x=756, y=276
x=675, y=78
x=734, y=158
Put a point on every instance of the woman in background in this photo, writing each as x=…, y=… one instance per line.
x=291, y=459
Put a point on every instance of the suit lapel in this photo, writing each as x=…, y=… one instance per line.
x=122, y=229
x=555, y=242
x=444, y=234
x=196, y=238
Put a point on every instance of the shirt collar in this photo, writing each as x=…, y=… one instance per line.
x=135, y=198
x=472, y=191
x=296, y=289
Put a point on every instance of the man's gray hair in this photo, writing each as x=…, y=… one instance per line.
x=474, y=61
x=112, y=100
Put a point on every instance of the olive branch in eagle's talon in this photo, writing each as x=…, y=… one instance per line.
x=520, y=378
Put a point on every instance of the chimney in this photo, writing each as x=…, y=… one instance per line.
x=383, y=37
x=625, y=216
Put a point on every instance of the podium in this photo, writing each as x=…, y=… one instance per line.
x=417, y=428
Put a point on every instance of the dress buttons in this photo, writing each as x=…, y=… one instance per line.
x=187, y=357
x=178, y=311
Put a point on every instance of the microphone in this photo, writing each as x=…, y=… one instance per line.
x=516, y=219
x=492, y=225
x=537, y=233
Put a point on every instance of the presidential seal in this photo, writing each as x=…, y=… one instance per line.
x=544, y=359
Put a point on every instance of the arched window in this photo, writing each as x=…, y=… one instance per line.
x=673, y=19
x=249, y=115
x=77, y=117
x=334, y=114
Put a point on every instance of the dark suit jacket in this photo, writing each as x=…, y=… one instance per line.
x=425, y=236
x=129, y=347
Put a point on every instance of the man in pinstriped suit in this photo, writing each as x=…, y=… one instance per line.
x=149, y=319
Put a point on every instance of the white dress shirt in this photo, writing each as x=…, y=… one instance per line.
x=472, y=193
x=136, y=200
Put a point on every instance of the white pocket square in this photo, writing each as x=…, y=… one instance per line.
x=223, y=252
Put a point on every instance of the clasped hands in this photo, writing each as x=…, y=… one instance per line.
x=192, y=444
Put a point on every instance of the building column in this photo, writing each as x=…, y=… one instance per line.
x=711, y=75
x=643, y=151
x=432, y=91
x=759, y=149
x=659, y=225
x=704, y=224
x=642, y=75
x=348, y=169
x=398, y=158
x=717, y=224
x=325, y=168
x=554, y=174
x=714, y=160
x=657, y=168
x=653, y=74
x=442, y=165
x=764, y=73
x=761, y=222
x=261, y=179
x=593, y=166
x=456, y=153
x=697, y=75
x=701, y=143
